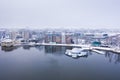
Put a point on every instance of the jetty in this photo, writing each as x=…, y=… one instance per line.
x=85, y=46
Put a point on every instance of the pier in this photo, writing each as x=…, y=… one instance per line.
x=71, y=45
x=87, y=47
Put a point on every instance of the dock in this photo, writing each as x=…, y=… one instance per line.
x=88, y=47
x=85, y=46
x=67, y=45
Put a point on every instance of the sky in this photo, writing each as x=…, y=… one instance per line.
x=60, y=13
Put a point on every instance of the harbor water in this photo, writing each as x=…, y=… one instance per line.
x=51, y=63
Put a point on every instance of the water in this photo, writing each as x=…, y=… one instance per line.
x=50, y=63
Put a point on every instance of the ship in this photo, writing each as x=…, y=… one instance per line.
x=7, y=43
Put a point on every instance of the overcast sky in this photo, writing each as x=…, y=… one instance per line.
x=60, y=13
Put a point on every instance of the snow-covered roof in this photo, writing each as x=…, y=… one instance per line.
x=76, y=50
x=7, y=40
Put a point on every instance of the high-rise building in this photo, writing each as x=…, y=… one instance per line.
x=26, y=34
x=48, y=37
x=63, y=38
x=2, y=33
x=53, y=37
x=69, y=38
x=13, y=35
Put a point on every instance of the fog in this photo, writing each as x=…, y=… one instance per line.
x=60, y=13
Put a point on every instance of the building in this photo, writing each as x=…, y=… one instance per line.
x=53, y=37
x=25, y=34
x=2, y=34
x=63, y=38
x=13, y=35
x=69, y=38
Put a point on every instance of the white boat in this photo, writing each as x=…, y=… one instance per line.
x=76, y=52
x=74, y=55
x=68, y=52
x=82, y=53
x=7, y=43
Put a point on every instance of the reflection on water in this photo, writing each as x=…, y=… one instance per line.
x=41, y=63
x=26, y=47
x=112, y=57
x=56, y=49
x=8, y=49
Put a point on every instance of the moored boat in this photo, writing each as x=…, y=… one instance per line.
x=76, y=52
x=7, y=43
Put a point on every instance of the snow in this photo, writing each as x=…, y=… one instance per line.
x=6, y=40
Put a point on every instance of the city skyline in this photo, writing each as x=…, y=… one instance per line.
x=60, y=13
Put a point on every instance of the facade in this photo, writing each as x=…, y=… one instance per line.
x=13, y=35
x=26, y=34
x=2, y=34
x=69, y=38
x=63, y=38
x=53, y=37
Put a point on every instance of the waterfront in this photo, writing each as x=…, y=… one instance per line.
x=50, y=63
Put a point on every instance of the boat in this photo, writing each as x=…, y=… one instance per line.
x=68, y=52
x=76, y=52
x=7, y=43
x=82, y=53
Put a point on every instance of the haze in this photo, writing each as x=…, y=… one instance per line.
x=60, y=13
